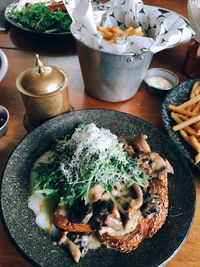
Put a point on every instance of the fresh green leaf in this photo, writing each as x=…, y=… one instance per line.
x=40, y=18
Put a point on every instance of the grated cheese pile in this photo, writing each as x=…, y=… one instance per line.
x=97, y=150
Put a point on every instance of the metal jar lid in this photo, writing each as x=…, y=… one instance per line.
x=41, y=80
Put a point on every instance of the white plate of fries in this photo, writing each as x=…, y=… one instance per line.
x=181, y=118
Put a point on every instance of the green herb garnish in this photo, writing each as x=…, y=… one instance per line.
x=91, y=156
x=40, y=18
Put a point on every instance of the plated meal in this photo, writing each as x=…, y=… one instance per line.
x=97, y=186
x=181, y=118
x=109, y=189
x=42, y=17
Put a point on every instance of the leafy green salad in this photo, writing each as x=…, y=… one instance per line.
x=40, y=18
x=91, y=156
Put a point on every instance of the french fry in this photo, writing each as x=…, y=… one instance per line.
x=182, y=117
x=195, y=143
x=195, y=89
x=186, y=123
x=190, y=108
x=192, y=131
x=107, y=35
x=177, y=119
x=197, y=129
x=196, y=85
x=184, y=135
x=115, y=30
x=181, y=110
x=197, y=125
x=129, y=31
x=196, y=108
x=138, y=32
x=190, y=102
x=110, y=34
x=197, y=158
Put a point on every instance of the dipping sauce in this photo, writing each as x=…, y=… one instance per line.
x=159, y=82
x=2, y=119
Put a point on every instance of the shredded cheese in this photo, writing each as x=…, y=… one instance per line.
x=93, y=147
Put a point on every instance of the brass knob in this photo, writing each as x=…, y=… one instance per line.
x=39, y=64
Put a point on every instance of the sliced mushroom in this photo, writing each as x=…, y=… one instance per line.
x=123, y=211
x=87, y=217
x=130, y=151
x=124, y=140
x=95, y=193
x=131, y=221
x=63, y=238
x=118, y=189
x=151, y=206
x=121, y=197
x=101, y=208
x=137, y=203
x=132, y=218
x=115, y=212
x=73, y=249
x=141, y=144
x=81, y=240
x=105, y=196
x=159, y=165
x=169, y=167
x=133, y=213
x=138, y=142
x=114, y=223
x=144, y=161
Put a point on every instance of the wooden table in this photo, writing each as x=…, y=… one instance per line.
x=20, y=48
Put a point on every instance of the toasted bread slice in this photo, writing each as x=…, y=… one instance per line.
x=146, y=227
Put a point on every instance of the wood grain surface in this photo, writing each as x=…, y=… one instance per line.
x=20, y=48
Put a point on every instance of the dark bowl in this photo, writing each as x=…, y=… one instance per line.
x=4, y=118
x=163, y=73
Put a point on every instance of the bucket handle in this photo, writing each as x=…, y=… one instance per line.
x=132, y=58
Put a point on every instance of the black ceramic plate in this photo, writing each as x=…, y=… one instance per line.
x=12, y=7
x=38, y=246
x=177, y=96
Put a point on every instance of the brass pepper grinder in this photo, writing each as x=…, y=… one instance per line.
x=44, y=90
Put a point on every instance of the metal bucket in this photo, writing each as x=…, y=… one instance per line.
x=111, y=77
